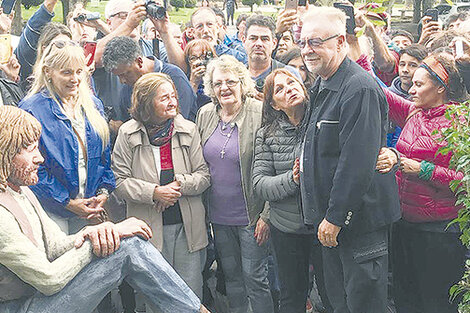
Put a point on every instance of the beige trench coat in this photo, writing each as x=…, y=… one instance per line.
x=133, y=164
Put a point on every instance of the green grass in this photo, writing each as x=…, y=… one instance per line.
x=179, y=17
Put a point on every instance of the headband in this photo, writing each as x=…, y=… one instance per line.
x=436, y=69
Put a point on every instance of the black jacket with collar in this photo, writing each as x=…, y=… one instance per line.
x=346, y=129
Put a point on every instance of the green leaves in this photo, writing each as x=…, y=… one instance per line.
x=456, y=138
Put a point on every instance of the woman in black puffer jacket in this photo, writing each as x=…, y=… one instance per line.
x=276, y=180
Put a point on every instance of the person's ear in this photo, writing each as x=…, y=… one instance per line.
x=47, y=72
x=341, y=42
x=140, y=62
x=441, y=89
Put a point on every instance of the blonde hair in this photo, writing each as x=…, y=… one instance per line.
x=228, y=63
x=145, y=91
x=18, y=130
x=69, y=56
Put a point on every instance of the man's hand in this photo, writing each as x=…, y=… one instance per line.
x=285, y=20
x=410, y=166
x=261, y=232
x=197, y=72
x=328, y=233
x=5, y=22
x=162, y=26
x=430, y=30
x=465, y=57
x=132, y=226
x=84, y=208
x=104, y=238
x=11, y=69
x=136, y=15
x=386, y=160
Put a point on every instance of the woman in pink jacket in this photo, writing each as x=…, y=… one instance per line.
x=427, y=256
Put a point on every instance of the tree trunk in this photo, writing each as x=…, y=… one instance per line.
x=65, y=10
x=17, y=24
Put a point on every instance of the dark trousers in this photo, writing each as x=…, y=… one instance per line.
x=425, y=265
x=356, y=272
x=292, y=255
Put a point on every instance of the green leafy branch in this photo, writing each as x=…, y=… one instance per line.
x=457, y=137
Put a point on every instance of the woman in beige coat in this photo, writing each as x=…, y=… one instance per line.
x=161, y=173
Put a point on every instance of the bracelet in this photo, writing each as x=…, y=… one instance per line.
x=425, y=170
x=103, y=191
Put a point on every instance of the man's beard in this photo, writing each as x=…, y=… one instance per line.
x=23, y=175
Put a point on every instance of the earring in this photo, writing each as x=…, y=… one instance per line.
x=49, y=80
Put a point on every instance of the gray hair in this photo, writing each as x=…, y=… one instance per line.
x=228, y=63
x=335, y=17
x=262, y=21
x=120, y=50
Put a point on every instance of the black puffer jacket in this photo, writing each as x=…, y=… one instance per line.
x=272, y=175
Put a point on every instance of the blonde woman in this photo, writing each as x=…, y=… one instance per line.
x=75, y=178
x=161, y=173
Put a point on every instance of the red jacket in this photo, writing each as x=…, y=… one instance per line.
x=423, y=201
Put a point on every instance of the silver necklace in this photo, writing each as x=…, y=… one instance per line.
x=223, y=126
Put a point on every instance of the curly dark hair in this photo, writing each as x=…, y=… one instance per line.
x=120, y=50
x=263, y=21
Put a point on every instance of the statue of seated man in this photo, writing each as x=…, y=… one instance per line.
x=44, y=270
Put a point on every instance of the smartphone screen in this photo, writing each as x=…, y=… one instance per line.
x=349, y=11
x=5, y=48
x=7, y=6
x=89, y=48
x=291, y=4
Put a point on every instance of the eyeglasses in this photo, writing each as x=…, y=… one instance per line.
x=314, y=42
x=202, y=57
x=62, y=43
x=121, y=15
x=228, y=83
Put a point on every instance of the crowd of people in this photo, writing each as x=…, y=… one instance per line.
x=296, y=153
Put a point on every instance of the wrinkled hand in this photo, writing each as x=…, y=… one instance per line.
x=261, y=232
x=409, y=166
x=430, y=29
x=285, y=20
x=12, y=68
x=466, y=49
x=259, y=96
x=167, y=194
x=132, y=226
x=136, y=15
x=5, y=21
x=328, y=233
x=84, y=208
x=386, y=160
x=104, y=238
x=296, y=171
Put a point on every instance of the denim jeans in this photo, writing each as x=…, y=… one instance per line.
x=138, y=262
x=245, y=267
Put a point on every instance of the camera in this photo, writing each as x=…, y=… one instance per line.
x=155, y=11
x=87, y=17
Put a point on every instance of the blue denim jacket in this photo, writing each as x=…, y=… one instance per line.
x=58, y=175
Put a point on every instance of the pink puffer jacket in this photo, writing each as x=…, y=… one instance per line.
x=423, y=201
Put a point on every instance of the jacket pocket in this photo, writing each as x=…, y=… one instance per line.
x=327, y=137
x=370, y=252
